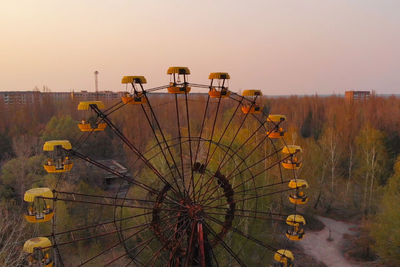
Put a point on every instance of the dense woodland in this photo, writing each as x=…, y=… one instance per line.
x=350, y=161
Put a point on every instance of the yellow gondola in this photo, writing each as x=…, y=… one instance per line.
x=221, y=89
x=58, y=162
x=91, y=125
x=298, y=183
x=85, y=105
x=255, y=107
x=54, y=144
x=176, y=86
x=39, y=252
x=283, y=258
x=38, y=210
x=299, y=197
x=276, y=118
x=274, y=121
x=135, y=97
x=86, y=126
x=293, y=162
x=296, y=231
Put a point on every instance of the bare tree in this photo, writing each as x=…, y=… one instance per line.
x=373, y=156
x=330, y=146
x=12, y=237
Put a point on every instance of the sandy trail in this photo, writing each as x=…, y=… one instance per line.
x=316, y=245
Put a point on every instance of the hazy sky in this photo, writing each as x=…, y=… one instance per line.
x=280, y=46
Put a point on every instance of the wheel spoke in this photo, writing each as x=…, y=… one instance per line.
x=180, y=144
x=237, y=231
x=164, y=214
x=161, y=148
x=130, y=145
x=210, y=142
x=225, y=246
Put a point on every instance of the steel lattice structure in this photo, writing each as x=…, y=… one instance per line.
x=209, y=191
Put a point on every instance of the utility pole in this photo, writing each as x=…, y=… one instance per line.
x=96, y=84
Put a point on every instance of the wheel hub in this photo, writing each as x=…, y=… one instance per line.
x=195, y=211
x=189, y=211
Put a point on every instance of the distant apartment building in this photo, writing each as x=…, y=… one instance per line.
x=352, y=96
x=30, y=97
x=58, y=96
x=101, y=95
x=19, y=97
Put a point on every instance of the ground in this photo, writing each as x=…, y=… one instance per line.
x=317, y=245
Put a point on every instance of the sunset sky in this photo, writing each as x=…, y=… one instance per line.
x=281, y=47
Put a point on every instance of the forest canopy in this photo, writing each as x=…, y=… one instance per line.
x=350, y=152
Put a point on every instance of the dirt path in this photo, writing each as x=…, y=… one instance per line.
x=316, y=245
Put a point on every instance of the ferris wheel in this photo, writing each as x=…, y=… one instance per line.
x=214, y=185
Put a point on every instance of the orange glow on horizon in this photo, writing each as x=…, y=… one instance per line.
x=300, y=47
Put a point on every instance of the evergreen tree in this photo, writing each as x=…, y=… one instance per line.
x=386, y=230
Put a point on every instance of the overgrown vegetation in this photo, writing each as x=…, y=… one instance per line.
x=350, y=150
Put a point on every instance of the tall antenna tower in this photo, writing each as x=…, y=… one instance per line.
x=96, y=84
